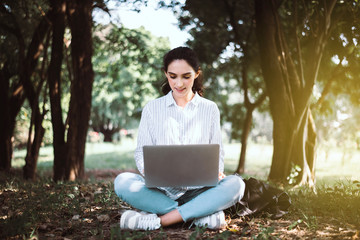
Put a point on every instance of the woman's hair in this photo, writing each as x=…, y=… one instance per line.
x=187, y=54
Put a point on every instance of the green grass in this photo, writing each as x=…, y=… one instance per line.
x=336, y=165
x=47, y=210
x=338, y=204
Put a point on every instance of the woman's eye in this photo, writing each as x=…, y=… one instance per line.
x=186, y=77
x=173, y=77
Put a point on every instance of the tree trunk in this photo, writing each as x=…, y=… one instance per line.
x=54, y=80
x=34, y=144
x=107, y=136
x=244, y=137
x=9, y=107
x=32, y=94
x=80, y=19
x=307, y=147
x=5, y=139
x=107, y=132
x=294, y=149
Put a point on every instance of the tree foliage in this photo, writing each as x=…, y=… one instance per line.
x=127, y=74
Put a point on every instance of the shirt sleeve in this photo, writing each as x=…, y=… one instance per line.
x=144, y=138
x=215, y=137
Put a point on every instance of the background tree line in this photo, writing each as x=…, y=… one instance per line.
x=297, y=60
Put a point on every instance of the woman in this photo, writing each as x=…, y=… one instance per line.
x=182, y=116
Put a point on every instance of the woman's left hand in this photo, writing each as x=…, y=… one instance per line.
x=221, y=175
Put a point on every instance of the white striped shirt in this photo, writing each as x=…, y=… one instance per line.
x=163, y=122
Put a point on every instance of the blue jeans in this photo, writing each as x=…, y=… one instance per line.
x=130, y=187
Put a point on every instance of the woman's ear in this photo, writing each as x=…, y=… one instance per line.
x=197, y=73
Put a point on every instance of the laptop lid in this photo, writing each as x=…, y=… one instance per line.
x=181, y=165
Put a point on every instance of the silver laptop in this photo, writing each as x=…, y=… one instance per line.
x=181, y=165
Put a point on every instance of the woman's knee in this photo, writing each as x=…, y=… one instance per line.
x=235, y=184
x=126, y=182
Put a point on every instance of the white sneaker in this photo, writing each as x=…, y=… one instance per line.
x=134, y=220
x=213, y=221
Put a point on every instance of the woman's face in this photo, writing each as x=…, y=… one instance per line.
x=181, y=78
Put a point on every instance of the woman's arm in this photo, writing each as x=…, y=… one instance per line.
x=144, y=138
x=216, y=137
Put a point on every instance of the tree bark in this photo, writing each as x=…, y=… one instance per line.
x=9, y=107
x=32, y=94
x=54, y=81
x=34, y=144
x=244, y=137
x=80, y=19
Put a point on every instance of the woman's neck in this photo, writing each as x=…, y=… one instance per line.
x=182, y=101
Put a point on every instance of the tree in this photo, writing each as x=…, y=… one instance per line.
x=80, y=22
x=292, y=38
x=55, y=87
x=16, y=78
x=127, y=66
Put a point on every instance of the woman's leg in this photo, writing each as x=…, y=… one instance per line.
x=229, y=191
x=170, y=218
x=130, y=187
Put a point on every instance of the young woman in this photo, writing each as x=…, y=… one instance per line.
x=182, y=116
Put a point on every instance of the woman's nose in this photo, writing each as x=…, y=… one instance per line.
x=179, y=82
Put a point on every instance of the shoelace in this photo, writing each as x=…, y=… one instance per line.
x=148, y=222
x=200, y=221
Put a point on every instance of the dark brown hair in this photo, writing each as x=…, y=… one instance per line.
x=187, y=54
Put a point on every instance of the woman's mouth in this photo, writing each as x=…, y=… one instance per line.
x=180, y=90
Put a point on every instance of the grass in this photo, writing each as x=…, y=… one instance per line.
x=335, y=165
x=90, y=209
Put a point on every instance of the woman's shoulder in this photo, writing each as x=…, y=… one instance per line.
x=155, y=103
x=207, y=102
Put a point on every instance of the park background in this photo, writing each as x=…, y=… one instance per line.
x=295, y=68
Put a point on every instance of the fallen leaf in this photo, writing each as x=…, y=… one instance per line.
x=43, y=227
x=357, y=235
x=103, y=218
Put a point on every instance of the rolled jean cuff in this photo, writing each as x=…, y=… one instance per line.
x=228, y=192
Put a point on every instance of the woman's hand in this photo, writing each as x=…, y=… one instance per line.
x=221, y=175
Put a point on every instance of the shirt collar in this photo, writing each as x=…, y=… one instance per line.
x=171, y=101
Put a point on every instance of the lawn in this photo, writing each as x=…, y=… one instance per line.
x=331, y=167
x=90, y=210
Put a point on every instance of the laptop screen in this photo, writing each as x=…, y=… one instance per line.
x=181, y=165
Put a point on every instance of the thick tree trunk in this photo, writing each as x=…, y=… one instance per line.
x=80, y=19
x=294, y=148
x=54, y=80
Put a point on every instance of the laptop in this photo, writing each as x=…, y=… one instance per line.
x=181, y=165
